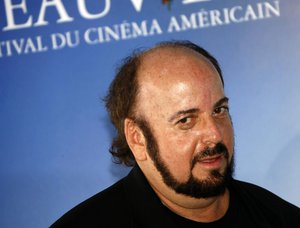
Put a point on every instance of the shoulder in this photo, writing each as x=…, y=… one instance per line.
x=260, y=193
x=266, y=202
x=99, y=209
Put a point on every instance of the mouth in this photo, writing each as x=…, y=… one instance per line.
x=211, y=162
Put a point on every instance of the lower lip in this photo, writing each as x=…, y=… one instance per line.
x=212, y=163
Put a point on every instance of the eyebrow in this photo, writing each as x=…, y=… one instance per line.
x=182, y=112
x=221, y=101
x=195, y=110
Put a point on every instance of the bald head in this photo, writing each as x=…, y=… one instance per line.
x=161, y=65
x=170, y=51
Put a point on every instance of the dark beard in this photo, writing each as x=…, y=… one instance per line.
x=212, y=186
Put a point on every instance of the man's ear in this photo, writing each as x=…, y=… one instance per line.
x=135, y=139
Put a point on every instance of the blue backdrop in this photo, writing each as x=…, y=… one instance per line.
x=58, y=57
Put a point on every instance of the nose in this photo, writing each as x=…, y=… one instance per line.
x=210, y=131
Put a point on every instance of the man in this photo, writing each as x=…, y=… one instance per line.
x=173, y=125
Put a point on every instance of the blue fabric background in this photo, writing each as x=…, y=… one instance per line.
x=54, y=130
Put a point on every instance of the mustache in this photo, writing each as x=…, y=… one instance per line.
x=218, y=149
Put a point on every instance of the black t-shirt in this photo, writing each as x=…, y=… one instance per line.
x=241, y=212
x=132, y=203
x=232, y=218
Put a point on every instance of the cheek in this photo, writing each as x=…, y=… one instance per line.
x=228, y=137
x=177, y=152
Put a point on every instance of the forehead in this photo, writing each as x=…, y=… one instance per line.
x=176, y=77
x=171, y=64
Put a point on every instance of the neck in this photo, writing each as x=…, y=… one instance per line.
x=200, y=210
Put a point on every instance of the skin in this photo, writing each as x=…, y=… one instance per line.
x=173, y=80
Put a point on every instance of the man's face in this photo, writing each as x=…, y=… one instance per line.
x=185, y=122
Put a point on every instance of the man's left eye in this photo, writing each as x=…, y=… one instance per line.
x=221, y=110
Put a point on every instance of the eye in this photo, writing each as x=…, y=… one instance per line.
x=186, y=123
x=184, y=120
x=221, y=111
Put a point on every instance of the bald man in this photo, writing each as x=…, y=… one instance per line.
x=173, y=126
